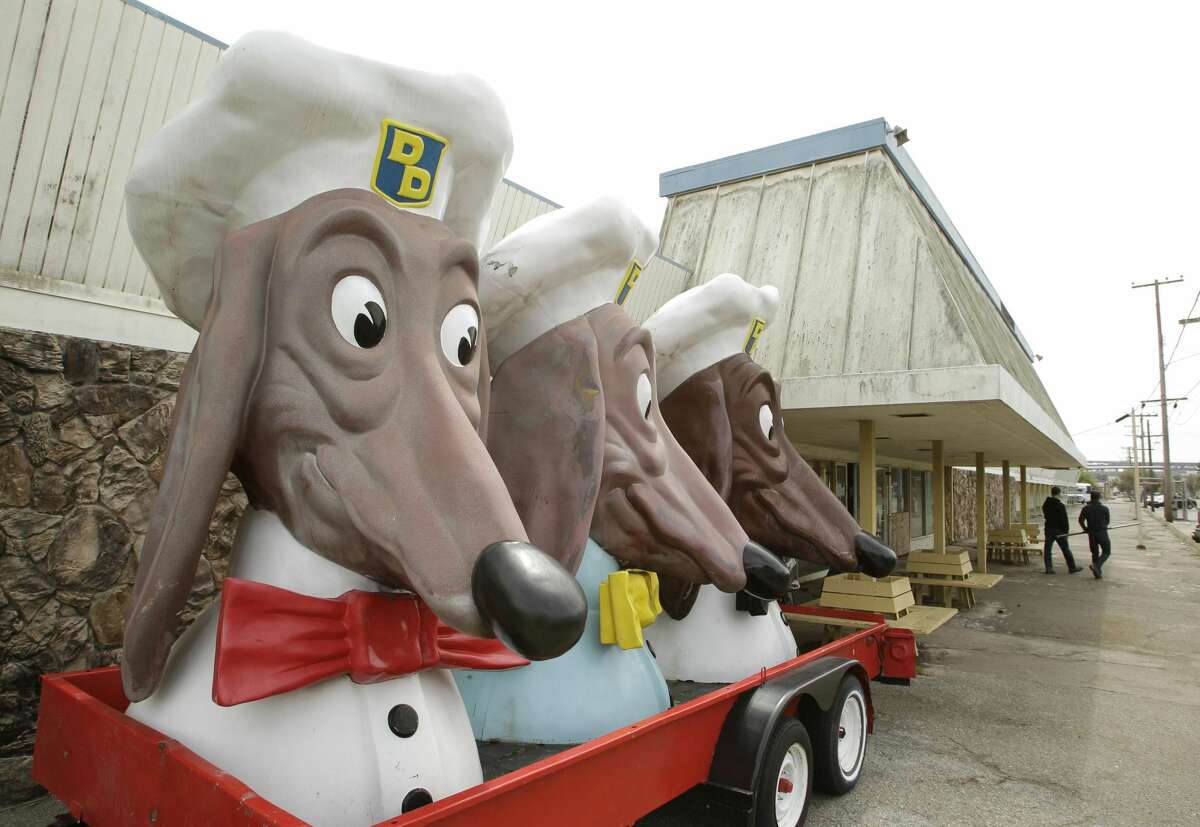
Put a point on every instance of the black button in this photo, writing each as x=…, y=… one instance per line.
x=415, y=798
x=402, y=720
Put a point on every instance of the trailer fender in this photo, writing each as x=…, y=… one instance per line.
x=737, y=759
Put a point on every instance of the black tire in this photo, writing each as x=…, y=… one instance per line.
x=788, y=733
x=839, y=764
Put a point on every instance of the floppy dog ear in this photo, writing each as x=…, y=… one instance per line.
x=697, y=415
x=209, y=411
x=546, y=436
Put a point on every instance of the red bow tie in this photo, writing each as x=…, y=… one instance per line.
x=271, y=640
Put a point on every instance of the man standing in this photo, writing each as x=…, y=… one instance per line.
x=1094, y=520
x=1057, y=527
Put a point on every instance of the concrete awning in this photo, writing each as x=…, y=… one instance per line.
x=976, y=408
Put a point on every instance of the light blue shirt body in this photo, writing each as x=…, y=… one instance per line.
x=590, y=691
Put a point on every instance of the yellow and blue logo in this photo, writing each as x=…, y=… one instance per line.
x=756, y=328
x=631, y=276
x=406, y=164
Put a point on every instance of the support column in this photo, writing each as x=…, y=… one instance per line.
x=949, y=497
x=866, y=475
x=939, y=498
x=980, y=514
x=1007, y=486
x=1024, y=494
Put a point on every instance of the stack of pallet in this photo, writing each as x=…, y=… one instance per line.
x=1012, y=544
x=948, y=578
x=891, y=597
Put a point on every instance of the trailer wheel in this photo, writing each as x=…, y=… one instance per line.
x=841, y=736
x=785, y=783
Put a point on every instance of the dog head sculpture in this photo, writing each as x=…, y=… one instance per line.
x=341, y=373
x=575, y=427
x=727, y=418
x=577, y=433
x=724, y=409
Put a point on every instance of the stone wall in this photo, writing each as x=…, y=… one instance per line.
x=962, y=492
x=82, y=430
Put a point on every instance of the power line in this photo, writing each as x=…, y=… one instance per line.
x=1096, y=428
x=1183, y=327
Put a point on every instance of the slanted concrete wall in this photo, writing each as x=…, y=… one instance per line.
x=868, y=281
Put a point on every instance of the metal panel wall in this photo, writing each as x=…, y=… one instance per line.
x=514, y=205
x=83, y=85
x=86, y=83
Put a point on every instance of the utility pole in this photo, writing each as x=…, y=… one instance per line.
x=1168, y=504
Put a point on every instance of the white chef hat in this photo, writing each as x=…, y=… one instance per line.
x=281, y=120
x=706, y=324
x=557, y=267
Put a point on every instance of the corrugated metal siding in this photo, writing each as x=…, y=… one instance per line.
x=86, y=83
x=514, y=206
x=83, y=84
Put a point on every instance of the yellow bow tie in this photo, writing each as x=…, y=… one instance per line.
x=628, y=604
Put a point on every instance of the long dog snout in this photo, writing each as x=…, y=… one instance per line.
x=533, y=604
x=766, y=576
x=874, y=558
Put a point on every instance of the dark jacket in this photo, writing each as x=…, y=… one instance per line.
x=1056, y=517
x=1094, y=518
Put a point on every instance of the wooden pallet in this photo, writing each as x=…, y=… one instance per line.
x=956, y=564
x=924, y=620
x=950, y=590
x=1012, y=552
x=891, y=596
x=1032, y=531
x=920, y=620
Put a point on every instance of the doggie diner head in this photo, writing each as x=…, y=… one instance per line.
x=342, y=374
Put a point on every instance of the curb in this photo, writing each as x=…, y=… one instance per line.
x=1182, y=534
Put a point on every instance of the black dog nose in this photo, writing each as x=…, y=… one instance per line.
x=767, y=577
x=874, y=558
x=533, y=604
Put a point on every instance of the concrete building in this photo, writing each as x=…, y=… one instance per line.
x=894, y=352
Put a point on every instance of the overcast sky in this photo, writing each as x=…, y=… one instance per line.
x=1056, y=135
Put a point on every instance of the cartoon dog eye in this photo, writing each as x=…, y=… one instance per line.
x=644, y=395
x=766, y=422
x=460, y=334
x=358, y=311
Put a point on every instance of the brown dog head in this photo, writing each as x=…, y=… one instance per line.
x=546, y=436
x=341, y=372
x=576, y=431
x=655, y=509
x=727, y=418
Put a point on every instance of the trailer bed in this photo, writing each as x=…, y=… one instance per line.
x=111, y=770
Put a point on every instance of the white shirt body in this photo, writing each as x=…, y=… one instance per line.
x=325, y=753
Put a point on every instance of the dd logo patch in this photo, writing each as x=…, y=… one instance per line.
x=406, y=164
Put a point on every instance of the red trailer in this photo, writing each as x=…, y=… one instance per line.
x=756, y=746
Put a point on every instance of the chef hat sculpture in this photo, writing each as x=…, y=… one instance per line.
x=706, y=324
x=557, y=267
x=281, y=120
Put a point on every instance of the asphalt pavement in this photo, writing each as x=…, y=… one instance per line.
x=1057, y=700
